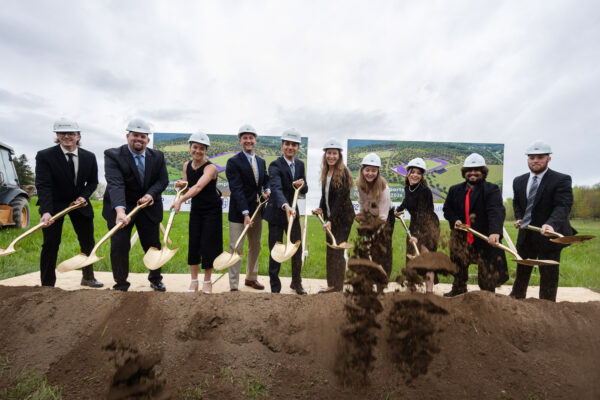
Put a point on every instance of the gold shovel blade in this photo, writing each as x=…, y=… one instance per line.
x=9, y=250
x=78, y=261
x=572, y=239
x=541, y=263
x=226, y=260
x=368, y=268
x=155, y=258
x=340, y=246
x=283, y=252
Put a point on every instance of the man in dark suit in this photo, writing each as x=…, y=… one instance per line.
x=63, y=174
x=134, y=174
x=247, y=176
x=543, y=198
x=285, y=173
x=478, y=204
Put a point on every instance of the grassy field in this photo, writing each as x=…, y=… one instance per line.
x=579, y=265
x=452, y=176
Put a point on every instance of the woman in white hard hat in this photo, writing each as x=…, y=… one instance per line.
x=374, y=198
x=424, y=223
x=206, y=225
x=337, y=209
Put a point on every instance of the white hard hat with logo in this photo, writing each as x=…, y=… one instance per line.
x=372, y=159
x=417, y=163
x=246, y=128
x=199, y=137
x=538, y=147
x=474, y=160
x=65, y=125
x=333, y=144
x=139, y=125
x=291, y=135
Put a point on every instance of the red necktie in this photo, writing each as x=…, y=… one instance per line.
x=467, y=201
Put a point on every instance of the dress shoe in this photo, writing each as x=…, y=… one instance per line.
x=298, y=288
x=329, y=290
x=254, y=284
x=234, y=290
x=91, y=283
x=158, y=286
x=455, y=292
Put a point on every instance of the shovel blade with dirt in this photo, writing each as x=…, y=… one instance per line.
x=282, y=252
x=368, y=268
x=156, y=258
x=334, y=244
x=82, y=260
x=558, y=237
x=11, y=247
x=227, y=259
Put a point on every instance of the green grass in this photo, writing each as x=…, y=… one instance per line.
x=453, y=175
x=579, y=263
x=28, y=384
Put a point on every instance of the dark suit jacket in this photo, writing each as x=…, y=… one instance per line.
x=54, y=181
x=282, y=190
x=242, y=185
x=123, y=186
x=486, y=210
x=342, y=210
x=552, y=204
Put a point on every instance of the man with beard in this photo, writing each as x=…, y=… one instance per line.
x=542, y=197
x=478, y=204
x=134, y=175
x=247, y=176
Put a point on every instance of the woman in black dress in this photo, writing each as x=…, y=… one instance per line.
x=336, y=208
x=206, y=225
x=424, y=223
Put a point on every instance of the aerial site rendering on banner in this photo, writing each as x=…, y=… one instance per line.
x=443, y=160
x=222, y=148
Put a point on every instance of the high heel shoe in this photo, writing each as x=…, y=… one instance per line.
x=207, y=287
x=193, y=286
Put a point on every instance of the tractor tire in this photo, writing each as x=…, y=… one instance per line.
x=21, y=214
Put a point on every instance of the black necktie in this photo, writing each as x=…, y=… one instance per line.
x=71, y=165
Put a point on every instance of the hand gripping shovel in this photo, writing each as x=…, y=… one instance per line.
x=227, y=259
x=518, y=259
x=155, y=258
x=417, y=252
x=11, y=247
x=559, y=238
x=283, y=252
x=334, y=245
x=81, y=260
x=304, y=244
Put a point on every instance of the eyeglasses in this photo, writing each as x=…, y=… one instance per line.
x=68, y=133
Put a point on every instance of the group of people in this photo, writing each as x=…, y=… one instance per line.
x=136, y=174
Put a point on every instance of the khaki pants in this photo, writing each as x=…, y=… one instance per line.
x=253, y=235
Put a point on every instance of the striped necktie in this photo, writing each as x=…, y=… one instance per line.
x=530, y=200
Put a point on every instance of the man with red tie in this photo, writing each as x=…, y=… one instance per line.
x=478, y=204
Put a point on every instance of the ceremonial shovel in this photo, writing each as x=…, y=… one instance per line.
x=334, y=245
x=227, y=259
x=518, y=259
x=81, y=260
x=417, y=252
x=559, y=237
x=283, y=252
x=11, y=247
x=155, y=258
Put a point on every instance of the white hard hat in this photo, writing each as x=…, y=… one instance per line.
x=474, y=160
x=247, y=128
x=291, y=135
x=199, y=137
x=333, y=144
x=139, y=125
x=372, y=159
x=66, y=125
x=418, y=163
x=539, y=147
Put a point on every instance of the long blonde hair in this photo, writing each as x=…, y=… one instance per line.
x=377, y=187
x=339, y=172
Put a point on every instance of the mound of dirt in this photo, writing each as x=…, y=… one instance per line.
x=104, y=344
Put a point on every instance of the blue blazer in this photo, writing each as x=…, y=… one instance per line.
x=282, y=191
x=243, y=186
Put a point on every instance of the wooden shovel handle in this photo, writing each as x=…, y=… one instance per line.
x=118, y=226
x=328, y=230
x=538, y=229
x=172, y=213
x=465, y=227
x=254, y=214
x=399, y=216
x=291, y=221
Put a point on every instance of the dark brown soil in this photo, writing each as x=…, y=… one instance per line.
x=433, y=261
x=103, y=344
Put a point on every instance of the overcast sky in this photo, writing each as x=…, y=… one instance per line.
x=471, y=71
